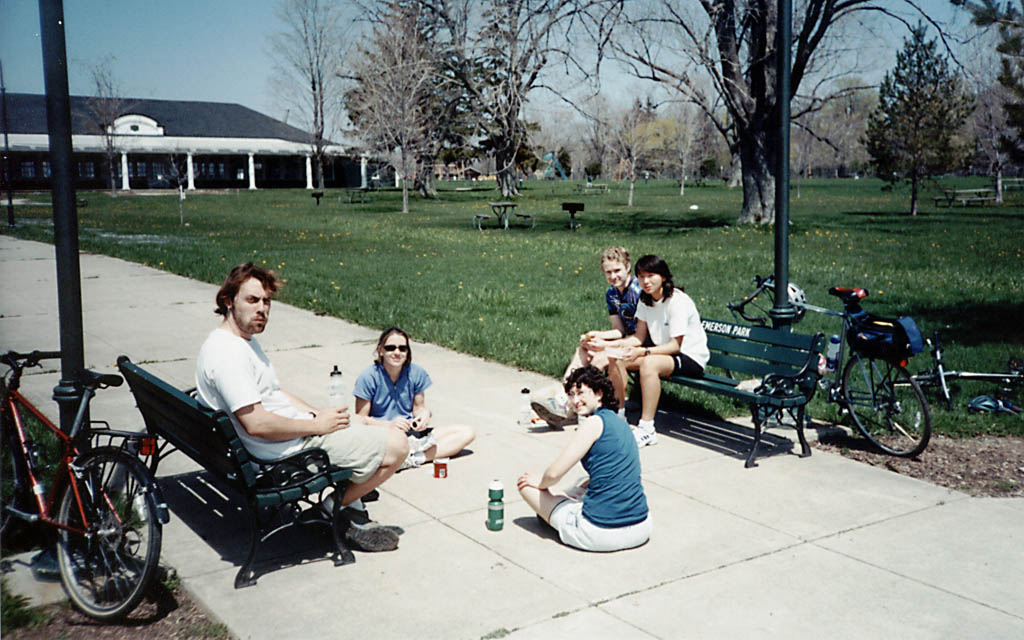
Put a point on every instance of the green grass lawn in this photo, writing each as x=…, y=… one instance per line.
x=522, y=296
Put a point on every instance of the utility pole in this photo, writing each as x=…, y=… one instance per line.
x=7, y=149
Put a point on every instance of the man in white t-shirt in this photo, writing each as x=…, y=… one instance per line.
x=234, y=375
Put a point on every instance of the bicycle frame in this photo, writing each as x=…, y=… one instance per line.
x=66, y=477
x=938, y=375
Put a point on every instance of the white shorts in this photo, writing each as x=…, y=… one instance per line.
x=576, y=531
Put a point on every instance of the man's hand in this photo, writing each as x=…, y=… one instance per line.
x=331, y=420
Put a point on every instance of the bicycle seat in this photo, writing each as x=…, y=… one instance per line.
x=93, y=380
x=849, y=295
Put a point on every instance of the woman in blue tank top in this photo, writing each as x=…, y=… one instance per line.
x=612, y=513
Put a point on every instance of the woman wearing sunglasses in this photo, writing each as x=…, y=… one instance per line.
x=390, y=392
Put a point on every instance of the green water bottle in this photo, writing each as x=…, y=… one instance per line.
x=495, y=506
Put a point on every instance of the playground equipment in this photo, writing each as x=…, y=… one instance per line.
x=552, y=163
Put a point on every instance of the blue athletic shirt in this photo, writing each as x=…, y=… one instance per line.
x=615, y=496
x=624, y=303
x=389, y=401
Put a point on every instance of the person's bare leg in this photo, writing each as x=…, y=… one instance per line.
x=652, y=369
x=395, y=454
x=579, y=359
x=617, y=375
x=450, y=441
x=542, y=501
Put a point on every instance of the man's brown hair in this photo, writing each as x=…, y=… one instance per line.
x=615, y=254
x=237, y=277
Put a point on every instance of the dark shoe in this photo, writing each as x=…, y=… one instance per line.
x=365, y=534
x=373, y=496
x=44, y=565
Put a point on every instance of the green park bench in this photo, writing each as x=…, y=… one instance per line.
x=280, y=487
x=782, y=369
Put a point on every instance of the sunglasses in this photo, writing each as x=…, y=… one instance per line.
x=404, y=348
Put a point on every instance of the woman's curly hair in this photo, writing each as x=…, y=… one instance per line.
x=591, y=376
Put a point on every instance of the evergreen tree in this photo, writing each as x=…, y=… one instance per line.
x=921, y=106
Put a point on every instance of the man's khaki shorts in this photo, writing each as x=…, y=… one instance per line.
x=359, y=447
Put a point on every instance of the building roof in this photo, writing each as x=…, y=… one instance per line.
x=26, y=114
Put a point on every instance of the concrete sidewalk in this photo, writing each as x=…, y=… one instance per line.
x=796, y=548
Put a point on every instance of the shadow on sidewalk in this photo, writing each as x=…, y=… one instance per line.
x=216, y=513
x=727, y=438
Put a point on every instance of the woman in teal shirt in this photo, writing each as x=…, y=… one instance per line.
x=612, y=513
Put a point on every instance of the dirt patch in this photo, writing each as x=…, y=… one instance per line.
x=984, y=466
x=166, y=613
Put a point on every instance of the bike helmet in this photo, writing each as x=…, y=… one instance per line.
x=983, y=404
x=797, y=298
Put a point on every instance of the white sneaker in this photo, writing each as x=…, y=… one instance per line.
x=413, y=460
x=645, y=437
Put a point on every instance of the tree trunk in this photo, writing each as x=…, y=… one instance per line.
x=998, y=177
x=632, y=181
x=758, y=181
x=736, y=169
x=913, y=193
x=110, y=169
x=682, y=183
x=425, y=183
x=506, y=174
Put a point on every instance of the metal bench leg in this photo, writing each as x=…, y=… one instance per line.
x=805, y=449
x=759, y=418
x=344, y=555
x=246, y=577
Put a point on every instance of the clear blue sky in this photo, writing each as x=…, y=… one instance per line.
x=211, y=50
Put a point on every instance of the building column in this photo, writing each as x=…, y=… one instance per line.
x=191, y=173
x=125, y=186
x=252, y=172
x=309, y=172
x=363, y=162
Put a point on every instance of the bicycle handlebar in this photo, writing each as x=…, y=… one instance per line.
x=16, y=360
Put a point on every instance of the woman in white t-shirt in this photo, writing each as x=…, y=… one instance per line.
x=667, y=319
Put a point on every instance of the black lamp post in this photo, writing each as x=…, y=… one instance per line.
x=65, y=218
x=782, y=313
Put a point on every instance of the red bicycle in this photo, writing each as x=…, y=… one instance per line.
x=105, y=506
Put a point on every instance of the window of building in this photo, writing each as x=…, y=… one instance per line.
x=140, y=169
x=46, y=168
x=86, y=169
x=28, y=169
x=220, y=169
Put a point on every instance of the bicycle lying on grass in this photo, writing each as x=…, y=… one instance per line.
x=939, y=378
x=873, y=387
x=104, y=504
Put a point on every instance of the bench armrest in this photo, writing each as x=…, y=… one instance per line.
x=294, y=470
x=803, y=382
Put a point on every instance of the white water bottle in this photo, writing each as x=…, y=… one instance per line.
x=524, y=407
x=832, y=354
x=336, y=389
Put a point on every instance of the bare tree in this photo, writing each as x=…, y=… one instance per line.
x=989, y=124
x=102, y=110
x=390, y=97
x=309, y=64
x=499, y=50
x=631, y=134
x=731, y=44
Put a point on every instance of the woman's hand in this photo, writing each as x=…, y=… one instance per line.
x=529, y=479
x=402, y=424
x=420, y=421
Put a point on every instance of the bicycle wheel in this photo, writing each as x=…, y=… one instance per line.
x=887, y=405
x=106, y=570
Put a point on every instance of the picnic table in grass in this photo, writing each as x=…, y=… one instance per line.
x=592, y=187
x=502, y=211
x=965, y=197
x=1013, y=183
x=358, y=193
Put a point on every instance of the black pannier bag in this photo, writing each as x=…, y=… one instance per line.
x=890, y=339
